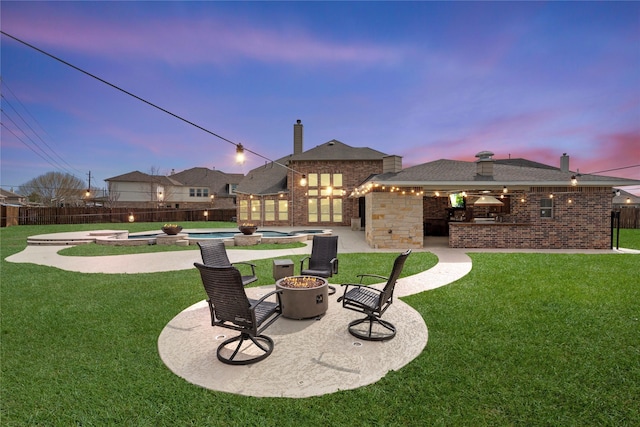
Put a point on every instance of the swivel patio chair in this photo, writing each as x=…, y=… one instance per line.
x=323, y=261
x=373, y=302
x=214, y=253
x=231, y=308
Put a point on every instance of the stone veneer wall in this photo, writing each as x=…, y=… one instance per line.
x=393, y=221
x=581, y=220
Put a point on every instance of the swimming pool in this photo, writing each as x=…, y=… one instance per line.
x=198, y=235
x=265, y=233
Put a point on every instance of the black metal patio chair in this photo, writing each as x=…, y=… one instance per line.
x=373, y=302
x=231, y=308
x=323, y=261
x=214, y=253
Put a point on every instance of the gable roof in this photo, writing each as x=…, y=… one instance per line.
x=335, y=150
x=137, y=176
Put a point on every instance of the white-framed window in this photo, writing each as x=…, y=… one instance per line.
x=256, y=212
x=283, y=210
x=198, y=192
x=269, y=210
x=312, y=207
x=337, y=210
x=243, y=210
x=546, y=208
x=324, y=195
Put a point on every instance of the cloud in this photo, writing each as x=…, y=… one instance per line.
x=183, y=41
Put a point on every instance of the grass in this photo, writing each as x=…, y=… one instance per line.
x=629, y=238
x=524, y=339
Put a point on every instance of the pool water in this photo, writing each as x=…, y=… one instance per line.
x=229, y=234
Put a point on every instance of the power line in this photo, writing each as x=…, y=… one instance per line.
x=4, y=82
x=132, y=95
x=610, y=170
x=50, y=159
x=29, y=147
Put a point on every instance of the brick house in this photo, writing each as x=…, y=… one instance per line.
x=489, y=203
x=193, y=188
x=274, y=195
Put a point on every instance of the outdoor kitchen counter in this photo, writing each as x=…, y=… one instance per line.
x=490, y=235
x=487, y=224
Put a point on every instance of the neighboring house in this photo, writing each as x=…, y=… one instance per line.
x=192, y=188
x=10, y=204
x=624, y=199
x=11, y=198
x=490, y=203
x=274, y=195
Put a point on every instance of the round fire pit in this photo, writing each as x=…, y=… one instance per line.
x=172, y=230
x=303, y=296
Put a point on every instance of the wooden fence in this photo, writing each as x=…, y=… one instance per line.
x=630, y=217
x=14, y=215
x=93, y=215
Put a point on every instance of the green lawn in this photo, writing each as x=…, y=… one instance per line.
x=524, y=339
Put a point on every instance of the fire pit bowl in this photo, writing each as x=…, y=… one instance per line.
x=172, y=229
x=303, y=297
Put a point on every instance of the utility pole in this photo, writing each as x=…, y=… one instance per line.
x=88, y=193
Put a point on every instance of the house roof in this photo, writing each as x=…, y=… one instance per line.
x=217, y=181
x=9, y=194
x=137, y=176
x=626, y=198
x=268, y=179
x=272, y=177
x=336, y=150
x=451, y=173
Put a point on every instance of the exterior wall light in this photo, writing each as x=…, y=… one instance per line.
x=303, y=180
x=574, y=180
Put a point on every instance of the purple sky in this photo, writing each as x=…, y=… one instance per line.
x=423, y=80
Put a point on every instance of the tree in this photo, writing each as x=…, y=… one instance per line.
x=55, y=189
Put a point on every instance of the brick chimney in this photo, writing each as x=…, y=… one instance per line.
x=297, y=137
x=564, y=163
x=391, y=164
x=484, y=164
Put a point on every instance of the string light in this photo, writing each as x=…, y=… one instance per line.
x=240, y=153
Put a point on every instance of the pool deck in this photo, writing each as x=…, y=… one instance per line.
x=311, y=357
